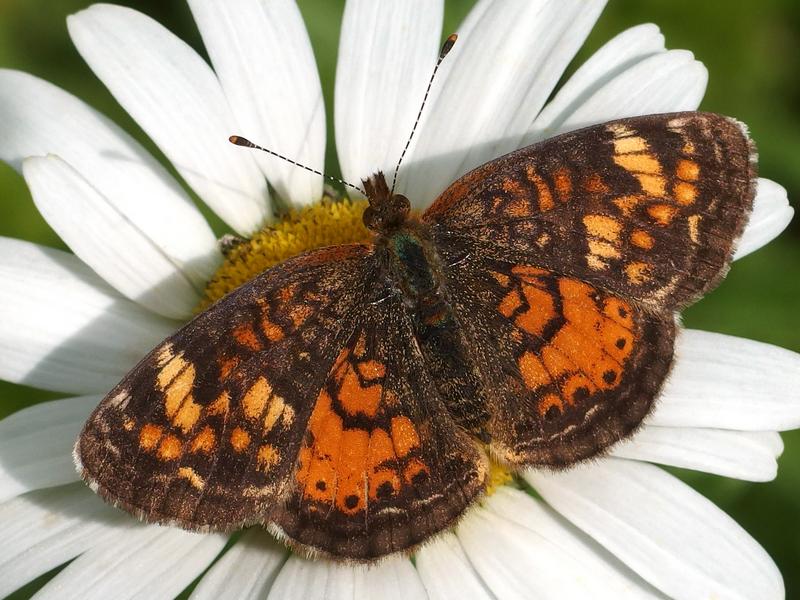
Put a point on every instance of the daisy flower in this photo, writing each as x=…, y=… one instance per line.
x=144, y=259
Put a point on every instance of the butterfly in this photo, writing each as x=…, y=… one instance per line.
x=349, y=399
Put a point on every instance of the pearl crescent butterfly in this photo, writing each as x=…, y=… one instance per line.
x=349, y=399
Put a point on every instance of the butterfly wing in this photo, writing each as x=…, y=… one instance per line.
x=565, y=261
x=293, y=401
x=382, y=466
x=567, y=368
x=647, y=207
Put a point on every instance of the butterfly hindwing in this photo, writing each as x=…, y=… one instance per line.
x=383, y=466
x=567, y=369
x=647, y=207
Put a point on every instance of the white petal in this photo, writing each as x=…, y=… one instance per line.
x=245, y=571
x=446, y=571
x=615, y=57
x=45, y=529
x=522, y=550
x=748, y=455
x=174, y=96
x=140, y=561
x=508, y=58
x=669, y=534
x=36, y=445
x=387, y=51
x=62, y=328
x=771, y=215
x=393, y=579
x=665, y=82
x=106, y=240
x=724, y=382
x=263, y=58
x=37, y=119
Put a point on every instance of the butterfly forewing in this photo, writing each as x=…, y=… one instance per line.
x=205, y=431
x=647, y=207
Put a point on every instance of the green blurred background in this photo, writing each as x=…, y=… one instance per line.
x=752, y=51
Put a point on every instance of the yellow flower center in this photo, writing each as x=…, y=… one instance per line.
x=498, y=476
x=325, y=223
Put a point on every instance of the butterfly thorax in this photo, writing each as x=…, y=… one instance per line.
x=408, y=257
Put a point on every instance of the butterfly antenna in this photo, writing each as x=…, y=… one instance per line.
x=240, y=141
x=446, y=47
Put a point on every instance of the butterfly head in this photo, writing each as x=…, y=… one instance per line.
x=386, y=211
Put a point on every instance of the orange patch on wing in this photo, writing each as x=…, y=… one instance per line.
x=556, y=361
x=240, y=439
x=653, y=185
x=642, y=239
x=619, y=312
x=575, y=383
x=533, y=371
x=171, y=366
x=205, y=441
x=662, y=213
x=549, y=401
x=354, y=398
x=528, y=273
x=267, y=456
x=187, y=414
x=638, y=163
x=541, y=310
x=545, y=196
x=603, y=249
x=688, y=170
x=685, y=193
x=361, y=346
x=563, y=181
x=371, y=369
x=246, y=336
x=510, y=302
x=404, y=436
x=637, y=272
x=501, y=278
x=603, y=227
x=413, y=469
x=351, y=470
x=626, y=203
x=255, y=399
x=316, y=473
x=584, y=338
x=272, y=331
x=220, y=405
x=278, y=409
x=149, y=436
x=170, y=448
x=628, y=145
